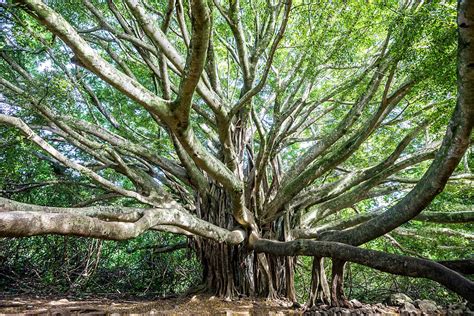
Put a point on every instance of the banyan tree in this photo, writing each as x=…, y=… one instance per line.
x=255, y=128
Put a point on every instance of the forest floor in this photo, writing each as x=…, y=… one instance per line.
x=195, y=305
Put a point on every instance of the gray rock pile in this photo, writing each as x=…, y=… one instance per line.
x=395, y=304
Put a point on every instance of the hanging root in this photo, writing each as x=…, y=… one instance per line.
x=337, y=285
x=320, y=293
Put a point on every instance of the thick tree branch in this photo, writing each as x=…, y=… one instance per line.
x=196, y=60
x=465, y=266
x=446, y=217
x=394, y=264
x=117, y=223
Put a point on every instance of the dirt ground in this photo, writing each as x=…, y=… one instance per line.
x=199, y=305
x=195, y=305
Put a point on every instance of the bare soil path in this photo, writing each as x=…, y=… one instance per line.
x=194, y=305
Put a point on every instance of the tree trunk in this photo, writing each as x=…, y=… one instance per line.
x=319, y=284
x=337, y=284
x=232, y=271
x=235, y=271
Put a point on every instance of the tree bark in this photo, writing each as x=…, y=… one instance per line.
x=337, y=284
x=320, y=292
x=465, y=266
x=231, y=271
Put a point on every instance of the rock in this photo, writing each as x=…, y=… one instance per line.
x=426, y=306
x=378, y=309
x=59, y=302
x=345, y=312
x=356, y=304
x=398, y=299
x=408, y=309
x=324, y=307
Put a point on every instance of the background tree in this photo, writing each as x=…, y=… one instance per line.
x=257, y=129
